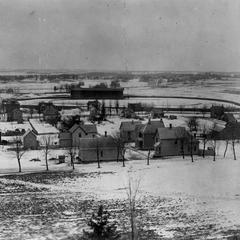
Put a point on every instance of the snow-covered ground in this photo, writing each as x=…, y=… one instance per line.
x=194, y=195
x=227, y=89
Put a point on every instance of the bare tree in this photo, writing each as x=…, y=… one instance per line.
x=121, y=149
x=46, y=149
x=205, y=132
x=117, y=106
x=97, y=151
x=226, y=147
x=132, y=191
x=71, y=151
x=212, y=139
x=19, y=152
x=148, y=156
x=192, y=124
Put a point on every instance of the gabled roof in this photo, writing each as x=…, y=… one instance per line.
x=172, y=133
x=129, y=125
x=40, y=128
x=101, y=142
x=87, y=128
x=151, y=126
x=28, y=132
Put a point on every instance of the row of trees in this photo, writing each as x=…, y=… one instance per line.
x=209, y=135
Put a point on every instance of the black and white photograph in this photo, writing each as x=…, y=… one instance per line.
x=119, y=119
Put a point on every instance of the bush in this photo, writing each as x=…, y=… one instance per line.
x=102, y=228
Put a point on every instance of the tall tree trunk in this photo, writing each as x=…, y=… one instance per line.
x=98, y=160
x=225, y=151
x=182, y=146
x=117, y=154
x=72, y=162
x=19, y=166
x=234, y=153
x=132, y=224
x=123, y=159
x=214, y=151
x=148, y=157
x=191, y=150
x=46, y=161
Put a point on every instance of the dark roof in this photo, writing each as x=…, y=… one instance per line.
x=29, y=132
x=87, y=128
x=152, y=126
x=172, y=133
x=129, y=125
x=97, y=89
x=101, y=142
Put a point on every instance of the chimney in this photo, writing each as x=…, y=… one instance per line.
x=170, y=126
x=105, y=133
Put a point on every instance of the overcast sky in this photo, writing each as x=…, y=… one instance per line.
x=197, y=35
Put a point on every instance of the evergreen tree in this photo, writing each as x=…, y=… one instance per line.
x=102, y=228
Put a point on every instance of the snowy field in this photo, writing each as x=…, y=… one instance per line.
x=177, y=199
x=227, y=89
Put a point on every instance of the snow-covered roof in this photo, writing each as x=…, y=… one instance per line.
x=41, y=128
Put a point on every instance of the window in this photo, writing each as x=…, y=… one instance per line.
x=101, y=153
x=195, y=148
x=175, y=142
x=80, y=135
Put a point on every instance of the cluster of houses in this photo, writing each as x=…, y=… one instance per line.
x=91, y=146
x=83, y=139
x=10, y=111
x=164, y=140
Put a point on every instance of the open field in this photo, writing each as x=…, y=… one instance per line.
x=226, y=88
x=197, y=200
x=177, y=199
